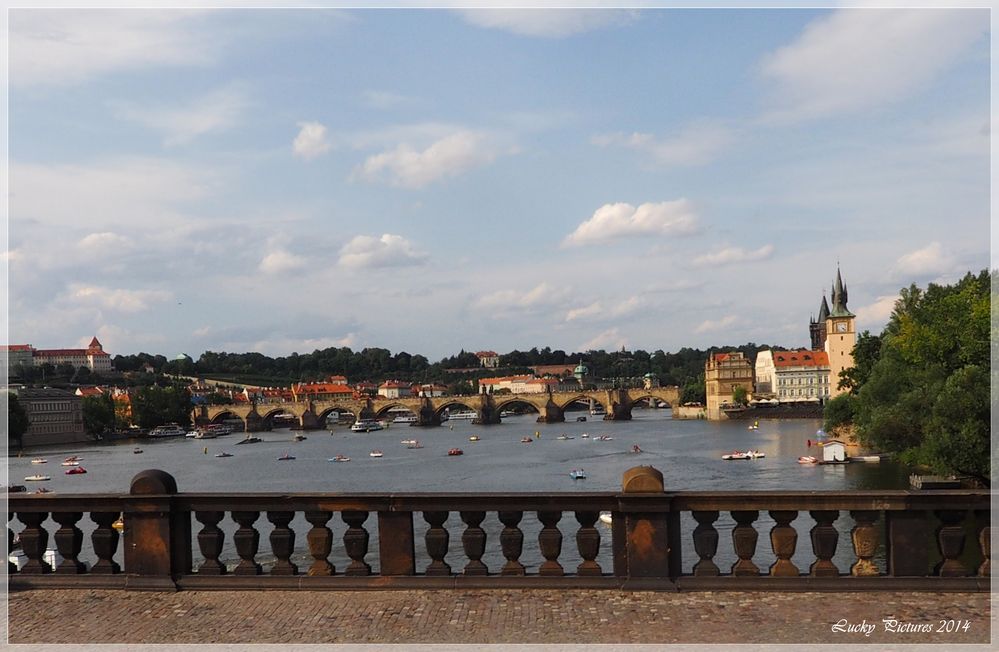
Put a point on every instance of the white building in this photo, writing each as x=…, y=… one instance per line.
x=801, y=375
x=488, y=359
x=395, y=389
x=517, y=384
x=93, y=357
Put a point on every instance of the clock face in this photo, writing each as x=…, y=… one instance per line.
x=841, y=327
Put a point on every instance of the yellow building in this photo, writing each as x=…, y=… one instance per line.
x=841, y=336
x=723, y=373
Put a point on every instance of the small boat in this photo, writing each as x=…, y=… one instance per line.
x=39, y=460
x=755, y=426
x=37, y=478
x=375, y=453
x=808, y=459
x=474, y=438
x=136, y=451
x=42, y=490
x=191, y=434
x=299, y=437
x=740, y=455
x=577, y=474
x=408, y=441
x=76, y=470
x=456, y=451
x=248, y=440
x=605, y=438
x=339, y=458
x=367, y=425
x=205, y=433
x=526, y=440
x=73, y=463
x=585, y=435
x=605, y=517
x=414, y=444
x=73, y=458
x=223, y=454
x=637, y=449
x=580, y=418
x=563, y=437
x=286, y=457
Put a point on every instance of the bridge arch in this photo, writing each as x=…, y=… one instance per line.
x=383, y=409
x=583, y=398
x=535, y=406
x=326, y=411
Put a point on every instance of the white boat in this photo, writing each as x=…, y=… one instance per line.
x=37, y=478
x=415, y=444
x=375, y=453
x=169, y=430
x=204, y=433
x=597, y=410
x=339, y=458
x=564, y=437
x=408, y=441
x=405, y=418
x=744, y=455
x=507, y=413
x=577, y=474
x=808, y=459
x=70, y=463
x=463, y=414
x=366, y=425
x=191, y=434
x=585, y=435
x=474, y=438
x=39, y=460
x=223, y=454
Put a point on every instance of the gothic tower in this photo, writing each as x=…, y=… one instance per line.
x=817, y=328
x=841, y=335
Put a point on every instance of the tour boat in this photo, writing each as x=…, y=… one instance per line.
x=808, y=459
x=408, y=441
x=375, y=453
x=76, y=470
x=563, y=437
x=366, y=425
x=136, y=451
x=169, y=430
x=636, y=449
x=526, y=440
x=405, y=418
x=577, y=474
x=474, y=438
x=597, y=410
x=339, y=458
x=747, y=455
x=39, y=460
x=223, y=454
x=71, y=463
x=37, y=478
x=456, y=451
x=192, y=434
x=463, y=414
x=286, y=457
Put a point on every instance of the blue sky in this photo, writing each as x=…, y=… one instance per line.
x=430, y=180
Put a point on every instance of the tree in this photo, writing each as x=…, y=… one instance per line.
x=98, y=414
x=740, y=395
x=17, y=419
x=154, y=406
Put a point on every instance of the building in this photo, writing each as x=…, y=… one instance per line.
x=817, y=327
x=488, y=359
x=559, y=370
x=723, y=373
x=54, y=416
x=19, y=355
x=432, y=390
x=320, y=391
x=797, y=375
x=524, y=384
x=841, y=336
x=833, y=451
x=93, y=357
x=395, y=389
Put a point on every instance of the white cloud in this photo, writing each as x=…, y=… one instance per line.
x=384, y=100
x=117, y=299
x=596, y=310
x=857, y=59
x=279, y=261
x=928, y=261
x=696, y=144
x=548, y=23
x=612, y=221
x=877, y=313
x=387, y=251
x=311, y=140
x=733, y=255
x=708, y=325
x=216, y=111
x=104, y=241
x=407, y=167
x=610, y=339
x=591, y=310
x=542, y=295
x=63, y=46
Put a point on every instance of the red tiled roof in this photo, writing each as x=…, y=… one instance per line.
x=17, y=347
x=484, y=354
x=802, y=358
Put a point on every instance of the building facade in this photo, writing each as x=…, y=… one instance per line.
x=94, y=357
x=488, y=359
x=54, y=416
x=800, y=375
x=723, y=373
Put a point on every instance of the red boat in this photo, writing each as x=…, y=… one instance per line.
x=76, y=470
x=456, y=451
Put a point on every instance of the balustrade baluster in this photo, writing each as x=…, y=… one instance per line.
x=211, y=539
x=320, y=539
x=473, y=540
x=985, y=543
x=550, y=542
x=282, y=543
x=705, y=543
x=512, y=543
x=437, y=539
x=355, y=541
x=744, y=538
x=824, y=540
x=865, y=542
x=783, y=540
x=34, y=542
x=950, y=540
x=247, y=541
x=69, y=542
x=588, y=542
x=105, y=542
x=11, y=566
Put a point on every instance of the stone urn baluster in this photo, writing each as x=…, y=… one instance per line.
x=950, y=539
x=437, y=539
x=824, y=539
x=473, y=539
x=69, y=542
x=320, y=539
x=550, y=542
x=282, y=543
x=783, y=540
x=705, y=543
x=105, y=542
x=865, y=542
x=247, y=540
x=512, y=543
x=34, y=542
x=210, y=541
x=588, y=543
x=355, y=542
x=744, y=538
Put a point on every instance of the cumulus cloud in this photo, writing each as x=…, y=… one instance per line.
x=366, y=251
x=607, y=340
x=734, y=255
x=696, y=144
x=613, y=221
x=928, y=261
x=543, y=295
x=857, y=59
x=311, y=141
x=591, y=310
x=709, y=325
x=280, y=261
x=877, y=313
x=104, y=241
x=216, y=111
x=118, y=299
x=547, y=23
x=407, y=167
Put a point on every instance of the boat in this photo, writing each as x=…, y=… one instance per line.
x=366, y=425
x=605, y=438
x=39, y=460
x=42, y=490
x=223, y=454
x=564, y=437
x=580, y=418
x=76, y=470
x=286, y=457
x=191, y=434
x=456, y=451
x=73, y=463
x=577, y=474
x=755, y=426
x=299, y=437
x=219, y=429
x=248, y=440
x=339, y=458
x=408, y=441
x=526, y=440
x=405, y=418
x=585, y=435
x=73, y=458
x=808, y=459
x=37, y=478
x=414, y=444
x=605, y=517
x=168, y=430
x=507, y=413
x=743, y=455
x=597, y=410
x=474, y=438
x=136, y=451
x=119, y=525
x=636, y=449
x=466, y=415
x=206, y=433
x=376, y=453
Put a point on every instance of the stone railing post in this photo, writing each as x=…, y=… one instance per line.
x=396, y=543
x=157, y=537
x=646, y=544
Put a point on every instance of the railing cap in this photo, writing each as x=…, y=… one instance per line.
x=152, y=481
x=642, y=479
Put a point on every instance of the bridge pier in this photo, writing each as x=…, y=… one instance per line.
x=487, y=414
x=309, y=421
x=618, y=405
x=253, y=422
x=551, y=413
x=426, y=415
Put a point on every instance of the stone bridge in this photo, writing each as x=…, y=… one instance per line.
x=550, y=407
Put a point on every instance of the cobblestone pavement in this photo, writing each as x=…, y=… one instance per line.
x=493, y=616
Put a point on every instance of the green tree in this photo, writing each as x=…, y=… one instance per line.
x=839, y=411
x=153, y=406
x=98, y=414
x=17, y=420
x=740, y=395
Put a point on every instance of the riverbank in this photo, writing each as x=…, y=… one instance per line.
x=495, y=616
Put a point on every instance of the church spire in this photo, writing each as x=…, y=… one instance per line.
x=839, y=297
x=823, y=310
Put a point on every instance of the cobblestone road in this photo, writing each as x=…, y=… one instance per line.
x=493, y=616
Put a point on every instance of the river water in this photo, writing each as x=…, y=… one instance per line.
x=687, y=452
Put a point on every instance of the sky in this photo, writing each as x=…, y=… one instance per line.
x=281, y=180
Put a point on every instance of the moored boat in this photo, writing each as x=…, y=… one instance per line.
x=168, y=430
x=414, y=444
x=136, y=451
x=808, y=459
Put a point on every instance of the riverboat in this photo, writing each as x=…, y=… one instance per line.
x=39, y=460
x=249, y=439
x=204, y=433
x=597, y=410
x=526, y=440
x=136, y=451
x=407, y=441
x=402, y=416
x=37, y=478
x=466, y=415
x=577, y=474
x=456, y=451
x=168, y=430
x=744, y=455
x=366, y=425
